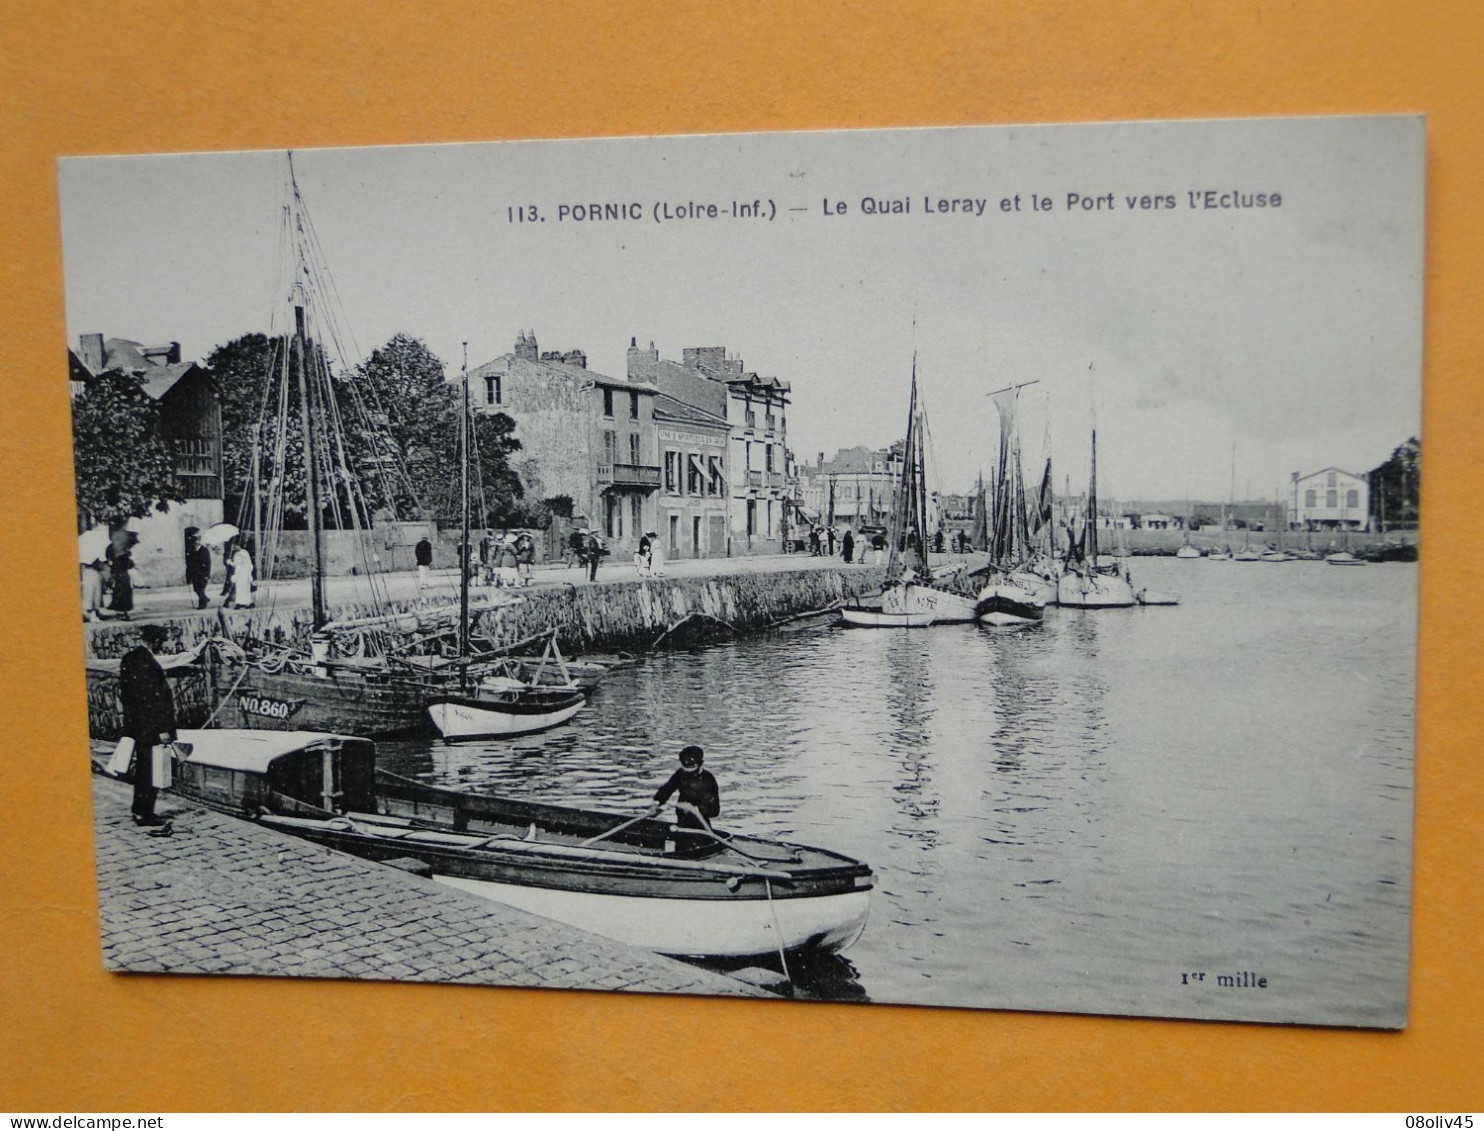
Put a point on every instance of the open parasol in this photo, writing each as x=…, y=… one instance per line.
x=219, y=534
x=92, y=545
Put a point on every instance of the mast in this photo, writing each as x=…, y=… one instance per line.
x=1092, y=505
x=311, y=474
x=299, y=362
x=903, y=498
x=464, y=511
x=1010, y=538
x=980, y=536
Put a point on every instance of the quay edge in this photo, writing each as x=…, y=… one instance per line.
x=607, y=616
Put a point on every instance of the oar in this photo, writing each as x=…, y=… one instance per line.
x=616, y=829
x=728, y=843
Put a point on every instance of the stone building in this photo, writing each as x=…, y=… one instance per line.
x=1330, y=500
x=755, y=409
x=695, y=497
x=854, y=489
x=583, y=434
x=190, y=422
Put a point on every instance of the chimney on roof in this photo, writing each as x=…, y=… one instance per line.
x=643, y=364
x=90, y=350
x=525, y=347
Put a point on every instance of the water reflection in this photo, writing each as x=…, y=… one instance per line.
x=1053, y=812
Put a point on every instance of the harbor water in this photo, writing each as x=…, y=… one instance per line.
x=1197, y=811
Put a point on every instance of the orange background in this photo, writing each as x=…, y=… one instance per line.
x=155, y=76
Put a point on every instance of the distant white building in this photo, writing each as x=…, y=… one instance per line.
x=1330, y=500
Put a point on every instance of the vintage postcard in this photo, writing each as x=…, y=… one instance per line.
x=838, y=566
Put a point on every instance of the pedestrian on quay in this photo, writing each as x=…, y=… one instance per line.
x=197, y=565
x=92, y=588
x=697, y=802
x=656, y=555
x=525, y=557
x=641, y=556
x=149, y=716
x=593, y=551
x=423, y=554
x=506, y=562
x=241, y=580
x=814, y=541
x=847, y=546
x=831, y=539
x=121, y=581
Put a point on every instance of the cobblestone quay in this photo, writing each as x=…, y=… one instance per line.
x=224, y=896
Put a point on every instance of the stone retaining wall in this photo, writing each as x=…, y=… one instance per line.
x=615, y=616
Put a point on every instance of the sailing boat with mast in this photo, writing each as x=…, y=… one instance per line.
x=351, y=675
x=912, y=597
x=1008, y=597
x=284, y=686
x=1088, y=583
x=491, y=703
x=1225, y=554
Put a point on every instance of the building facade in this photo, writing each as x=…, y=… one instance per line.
x=695, y=495
x=190, y=422
x=1330, y=500
x=761, y=494
x=856, y=488
x=585, y=435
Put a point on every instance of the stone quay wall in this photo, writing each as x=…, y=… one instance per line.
x=630, y=615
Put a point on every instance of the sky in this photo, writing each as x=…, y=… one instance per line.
x=1216, y=349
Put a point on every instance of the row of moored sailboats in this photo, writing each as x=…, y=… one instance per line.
x=1023, y=573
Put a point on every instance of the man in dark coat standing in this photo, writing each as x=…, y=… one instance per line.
x=594, y=555
x=423, y=554
x=847, y=546
x=197, y=565
x=149, y=715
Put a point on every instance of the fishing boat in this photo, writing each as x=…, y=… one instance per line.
x=1344, y=558
x=495, y=703
x=1007, y=597
x=351, y=675
x=858, y=616
x=341, y=678
x=1090, y=581
x=1187, y=550
x=743, y=897
x=912, y=596
x=1225, y=553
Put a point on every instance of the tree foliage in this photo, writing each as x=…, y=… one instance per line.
x=241, y=369
x=123, y=467
x=1396, y=486
x=417, y=409
x=400, y=424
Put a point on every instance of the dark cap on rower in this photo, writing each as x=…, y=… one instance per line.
x=692, y=756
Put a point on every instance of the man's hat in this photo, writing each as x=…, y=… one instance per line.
x=192, y=531
x=153, y=633
x=692, y=756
